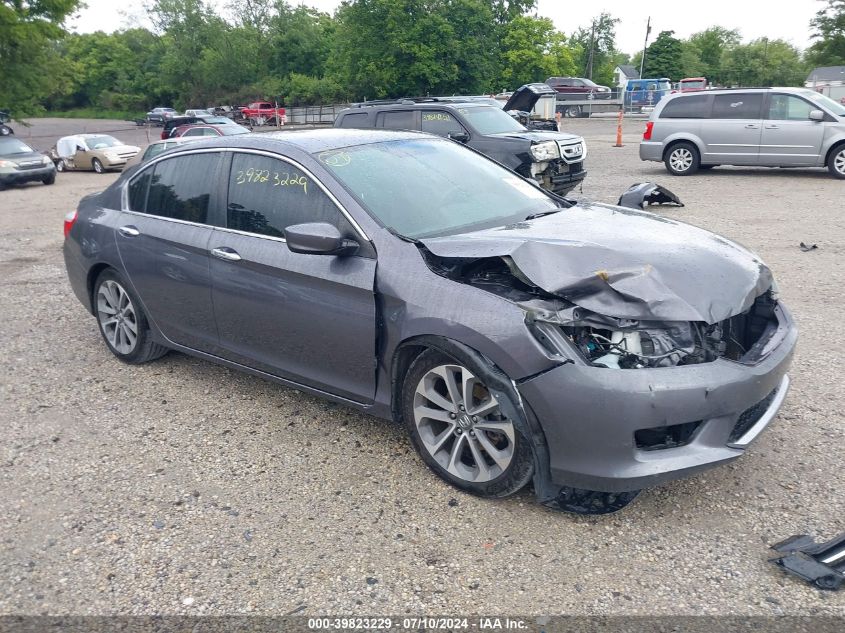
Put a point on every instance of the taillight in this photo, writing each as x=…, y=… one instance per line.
x=164, y=134
x=70, y=220
x=647, y=133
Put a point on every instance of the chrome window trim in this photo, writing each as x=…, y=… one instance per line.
x=124, y=195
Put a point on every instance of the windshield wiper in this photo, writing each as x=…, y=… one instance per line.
x=534, y=216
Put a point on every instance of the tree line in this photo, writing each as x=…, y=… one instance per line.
x=193, y=57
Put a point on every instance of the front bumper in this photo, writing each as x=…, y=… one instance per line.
x=18, y=176
x=590, y=415
x=560, y=177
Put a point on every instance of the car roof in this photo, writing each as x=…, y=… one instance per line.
x=310, y=141
x=448, y=102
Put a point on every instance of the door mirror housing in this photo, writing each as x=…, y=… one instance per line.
x=79, y=148
x=816, y=115
x=318, y=238
x=461, y=137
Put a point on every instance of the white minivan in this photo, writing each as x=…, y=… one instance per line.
x=770, y=127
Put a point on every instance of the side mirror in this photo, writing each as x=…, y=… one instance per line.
x=79, y=148
x=318, y=238
x=461, y=137
x=816, y=115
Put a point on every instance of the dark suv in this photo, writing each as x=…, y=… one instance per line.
x=555, y=160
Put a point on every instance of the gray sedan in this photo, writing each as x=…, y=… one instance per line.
x=519, y=337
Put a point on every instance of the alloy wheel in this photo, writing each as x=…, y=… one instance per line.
x=98, y=166
x=839, y=162
x=117, y=317
x=461, y=425
x=681, y=159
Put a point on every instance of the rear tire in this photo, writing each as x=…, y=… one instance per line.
x=682, y=159
x=122, y=322
x=836, y=162
x=459, y=429
x=61, y=165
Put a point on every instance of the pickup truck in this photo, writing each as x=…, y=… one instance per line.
x=262, y=112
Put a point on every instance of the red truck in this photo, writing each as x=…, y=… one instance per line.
x=262, y=112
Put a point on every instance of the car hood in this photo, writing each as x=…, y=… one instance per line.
x=537, y=137
x=24, y=158
x=120, y=149
x=525, y=97
x=622, y=263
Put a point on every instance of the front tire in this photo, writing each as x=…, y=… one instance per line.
x=458, y=428
x=122, y=321
x=49, y=180
x=836, y=162
x=97, y=165
x=682, y=159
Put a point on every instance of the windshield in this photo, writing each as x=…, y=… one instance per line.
x=490, y=120
x=826, y=102
x=426, y=187
x=9, y=146
x=232, y=130
x=698, y=83
x=102, y=142
x=218, y=120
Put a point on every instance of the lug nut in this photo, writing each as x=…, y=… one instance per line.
x=458, y=431
x=452, y=416
x=461, y=407
x=475, y=418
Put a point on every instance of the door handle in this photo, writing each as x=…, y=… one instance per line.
x=225, y=253
x=772, y=127
x=129, y=231
x=752, y=126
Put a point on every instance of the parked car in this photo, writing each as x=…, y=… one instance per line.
x=157, y=147
x=182, y=121
x=645, y=93
x=160, y=115
x=200, y=130
x=691, y=84
x=578, y=88
x=769, y=127
x=5, y=130
x=19, y=163
x=199, y=112
x=261, y=112
x=534, y=105
x=99, y=152
x=555, y=160
x=409, y=277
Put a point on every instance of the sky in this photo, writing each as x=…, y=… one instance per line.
x=753, y=18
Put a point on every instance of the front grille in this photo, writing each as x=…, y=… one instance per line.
x=573, y=152
x=32, y=164
x=750, y=416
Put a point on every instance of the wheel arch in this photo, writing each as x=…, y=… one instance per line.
x=496, y=380
x=672, y=141
x=835, y=146
x=93, y=273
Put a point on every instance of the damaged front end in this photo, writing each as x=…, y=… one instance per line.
x=564, y=329
x=618, y=343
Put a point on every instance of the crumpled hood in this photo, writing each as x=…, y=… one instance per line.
x=623, y=263
x=537, y=136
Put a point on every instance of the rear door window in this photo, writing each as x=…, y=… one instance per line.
x=180, y=187
x=397, y=120
x=691, y=107
x=738, y=106
x=356, y=120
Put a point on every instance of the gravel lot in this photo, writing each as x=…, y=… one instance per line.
x=183, y=487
